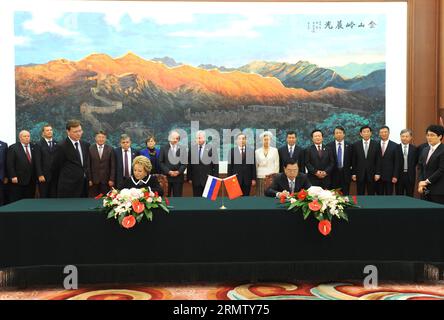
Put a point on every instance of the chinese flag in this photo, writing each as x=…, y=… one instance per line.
x=233, y=188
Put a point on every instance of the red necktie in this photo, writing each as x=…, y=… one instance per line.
x=28, y=155
x=319, y=152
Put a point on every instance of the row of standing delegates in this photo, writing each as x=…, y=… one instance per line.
x=61, y=170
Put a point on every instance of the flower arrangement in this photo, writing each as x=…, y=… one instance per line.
x=323, y=204
x=129, y=206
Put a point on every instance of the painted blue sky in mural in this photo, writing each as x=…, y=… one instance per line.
x=229, y=40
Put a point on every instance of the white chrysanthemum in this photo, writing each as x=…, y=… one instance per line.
x=314, y=191
x=292, y=200
x=136, y=193
x=125, y=193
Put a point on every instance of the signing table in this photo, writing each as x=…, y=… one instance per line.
x=253, y=239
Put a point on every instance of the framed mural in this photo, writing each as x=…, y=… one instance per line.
x=147, y=67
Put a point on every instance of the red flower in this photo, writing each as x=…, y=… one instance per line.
x=283, y=198
x=146, y=195
x=355, y=199
x=128, y=222
x=156, y=194
x=167, y=201
x=324, y=227
x=302, y=195
x=98, y=196
x=138, y=206
x=314, y=205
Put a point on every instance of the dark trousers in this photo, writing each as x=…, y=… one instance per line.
x=366, y=184
x=404, y=186
x=384, y=188
x=19, y=192
x=100, y=188
x=197, y=191
x=341, y=181
x=246, y=188
x=48, y=189
x=2, y=193
x=175, y=189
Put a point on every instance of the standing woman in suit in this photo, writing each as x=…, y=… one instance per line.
x=102, y=166
x=47, y=146
x=267, y=162
x=141, y=177
x=71, y=163
x=3, y=173
x=319, y=161
x=152, y=153
x=431, y=166
x=23, y=167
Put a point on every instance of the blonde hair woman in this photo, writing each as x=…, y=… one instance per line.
x=267, y=161
x=141, y=177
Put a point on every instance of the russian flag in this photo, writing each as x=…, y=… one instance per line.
x=212, y=187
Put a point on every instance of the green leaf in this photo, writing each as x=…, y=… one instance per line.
x=139, y=217
x=111, y=213
x=121, y=218
x=164, y=208
x=149, y=215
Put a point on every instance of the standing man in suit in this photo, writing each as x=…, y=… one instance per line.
x=173, y=160
x=291, y=151
x=71, y=162
x=102, y=166
x=389, y=165
x=342, y=154
x=241, y=161
x=319, y=161
x=366, y=163
x=124, y=158
x=407, y=158
x=3, y=172
x=431, y=166
x=47, y=146
x=288, y=182
x=23, y=167
x=203, y=160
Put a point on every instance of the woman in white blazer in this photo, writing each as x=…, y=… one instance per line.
x=267, y=161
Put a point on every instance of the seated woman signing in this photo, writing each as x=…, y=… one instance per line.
x=141, y=177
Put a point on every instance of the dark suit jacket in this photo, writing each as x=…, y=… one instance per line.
x=198, y=172
x=433, y=170
x=19, y=166
x=314, y=163
x=119, y=165
x=347, y=150
x=166, y=166
x=370, y=166
x=389, y=165
x=46, y=157
x=68, y=168
x=412, y=162
x=246, y=172
x=280, y=183
x=284, y=156
x=3, y=154
x=102, y=170
x=152, y=183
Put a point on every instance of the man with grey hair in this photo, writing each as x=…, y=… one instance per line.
x=23, y=167
x=203, y=160
x=407, y=156
x=172, y=160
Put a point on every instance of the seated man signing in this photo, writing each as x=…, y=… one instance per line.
x=288, y=182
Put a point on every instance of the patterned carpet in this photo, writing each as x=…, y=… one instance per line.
x=272, y=291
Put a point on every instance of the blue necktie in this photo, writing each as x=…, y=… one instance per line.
x=339, y=156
